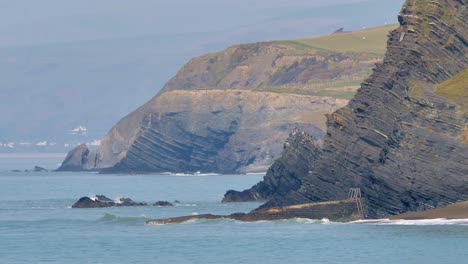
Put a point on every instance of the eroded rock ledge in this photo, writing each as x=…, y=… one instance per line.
x=343, y=210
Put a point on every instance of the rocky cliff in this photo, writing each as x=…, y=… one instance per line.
x=298, y=156
x=402, y=139
x=231, y=111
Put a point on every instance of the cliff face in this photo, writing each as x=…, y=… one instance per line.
x=402, y=138
x=232, y=110
x=220, y=130
x=298, y=156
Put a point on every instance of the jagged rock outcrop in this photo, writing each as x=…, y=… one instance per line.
x=101, y=201
x=400, y=140
x=299, y=154
x=231, y=111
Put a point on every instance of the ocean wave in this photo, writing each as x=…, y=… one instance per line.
x=185, y=205
x=422, y=222
x=256, y=173
x=197, y=174
x=299, y=220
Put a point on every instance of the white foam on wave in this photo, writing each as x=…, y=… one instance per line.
x=423, y=222
x=256, y=173
x=299, y=220
x=197, y=174
x=185, y=204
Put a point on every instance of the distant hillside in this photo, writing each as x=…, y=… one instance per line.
x=231, y=111
x=331, y=65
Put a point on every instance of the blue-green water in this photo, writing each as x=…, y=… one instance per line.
x=37, y=225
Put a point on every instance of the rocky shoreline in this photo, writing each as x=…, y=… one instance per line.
x=340, y=211
x=337, y=211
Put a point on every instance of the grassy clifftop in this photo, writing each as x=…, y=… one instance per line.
x=330, y=65
x=371, y=41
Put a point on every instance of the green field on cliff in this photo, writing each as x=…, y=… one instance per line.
x=371, y=40
x=331, y=65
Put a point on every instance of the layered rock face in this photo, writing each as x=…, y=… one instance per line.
x=402, y=138
x=231, y=111
x=219, y=130
x=298, y=156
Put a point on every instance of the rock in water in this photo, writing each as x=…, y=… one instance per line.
x=39, y=169
x=299, y=154
x=163, y=203
x=78, y=160
x=402, y=139
x=231, y=111
x=100, y=201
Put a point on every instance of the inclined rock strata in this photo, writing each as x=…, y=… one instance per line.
x=402, y=144
x=299, y=154
x=231, y=111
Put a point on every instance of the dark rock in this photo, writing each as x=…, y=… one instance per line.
x=163, y=203
x=39, y=169
x=95, y=202
x=397, y=140
x=299, y=154
x=100, y=201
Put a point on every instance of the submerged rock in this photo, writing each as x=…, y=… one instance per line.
x=100, y=201
x=163, y=203
x=39, y=169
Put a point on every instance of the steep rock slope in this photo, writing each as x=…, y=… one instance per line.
x=219, y=130
x=299, y=154
x=402, y=138
x=232, y=110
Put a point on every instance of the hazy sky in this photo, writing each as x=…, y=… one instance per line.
x=31, y=22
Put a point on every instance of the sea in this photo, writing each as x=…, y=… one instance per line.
x=38, y=225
